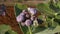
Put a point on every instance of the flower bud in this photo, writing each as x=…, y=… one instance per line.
x=35, y=23
x=23, y=24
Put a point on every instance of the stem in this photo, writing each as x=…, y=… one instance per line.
x=20, y=27
x=45, y=20
x=52, y=21
x=29, y=30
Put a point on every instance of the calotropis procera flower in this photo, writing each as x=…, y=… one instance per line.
x=20, y=17
x=28, y=22
x=33, y=11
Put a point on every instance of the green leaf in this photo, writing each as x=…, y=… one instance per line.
x=4, y=28
x=44, y=8
x=11, y=32
x=58, y=17
x=21, y=6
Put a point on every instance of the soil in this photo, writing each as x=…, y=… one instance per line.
x=10, y=19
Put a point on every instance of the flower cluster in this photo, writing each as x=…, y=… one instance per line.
x=27, y=17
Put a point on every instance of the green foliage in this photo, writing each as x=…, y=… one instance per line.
x=11, y=32
x=18, y=11
x=44, y=8
x=6, y=29
x=19, y=8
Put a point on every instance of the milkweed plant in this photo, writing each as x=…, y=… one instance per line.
x=48, y=17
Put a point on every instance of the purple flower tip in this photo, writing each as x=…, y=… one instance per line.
x=28, y=22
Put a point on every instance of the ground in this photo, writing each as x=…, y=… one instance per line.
x=9, y=19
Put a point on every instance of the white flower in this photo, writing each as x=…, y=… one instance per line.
x=35, y=23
